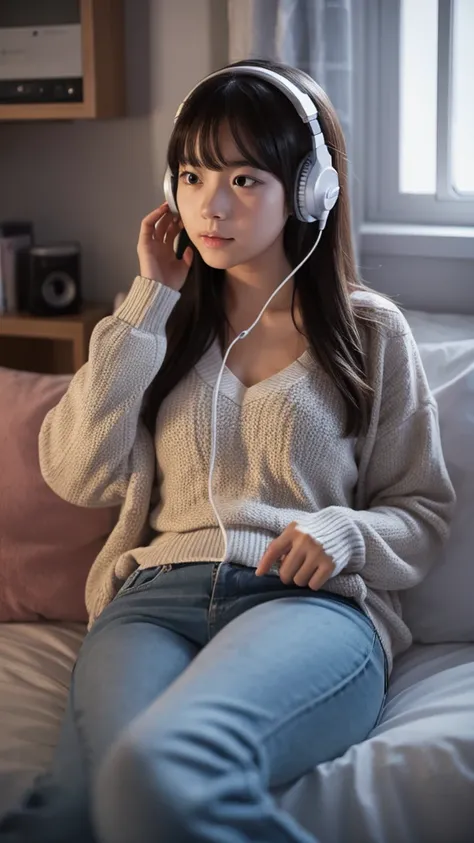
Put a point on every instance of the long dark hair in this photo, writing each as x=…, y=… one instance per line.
x=271, y=136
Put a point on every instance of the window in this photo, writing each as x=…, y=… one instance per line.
x=420, y=110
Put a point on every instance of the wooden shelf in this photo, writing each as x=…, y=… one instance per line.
x=103, y=64
x=54, y=345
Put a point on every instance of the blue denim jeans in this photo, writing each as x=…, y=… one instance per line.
x=198, y=696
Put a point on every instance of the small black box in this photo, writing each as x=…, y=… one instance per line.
x=49, y=279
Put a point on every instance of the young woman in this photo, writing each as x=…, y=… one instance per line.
x=244, y=612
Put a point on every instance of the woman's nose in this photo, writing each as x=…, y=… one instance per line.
x=215, y=204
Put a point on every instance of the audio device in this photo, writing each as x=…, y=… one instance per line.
x=40, y=51
x=49, y=279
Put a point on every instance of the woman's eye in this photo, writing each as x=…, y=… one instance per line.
x=188, y=178
x=240, y=181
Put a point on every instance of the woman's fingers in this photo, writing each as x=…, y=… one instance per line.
x=292, y=564
x=305, y=572
x=161, y=225
x=172, y=230
x=155, y=215
x=188, y=256
x=152, y=221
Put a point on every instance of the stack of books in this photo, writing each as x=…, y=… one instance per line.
x=14, y=237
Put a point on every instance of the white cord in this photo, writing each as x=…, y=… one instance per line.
x=215, y=396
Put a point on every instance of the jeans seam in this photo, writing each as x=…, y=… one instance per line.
x=385, y=659
x=323, y=697
x=214, y=578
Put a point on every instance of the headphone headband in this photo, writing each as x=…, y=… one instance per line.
x=302, y=102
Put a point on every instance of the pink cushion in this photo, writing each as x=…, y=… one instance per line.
x=47, y=545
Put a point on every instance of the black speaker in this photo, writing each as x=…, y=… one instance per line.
x=49, y=279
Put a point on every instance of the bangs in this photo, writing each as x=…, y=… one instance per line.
x=201, y=144
x=254, y=115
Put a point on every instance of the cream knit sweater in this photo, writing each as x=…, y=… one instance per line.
x=379, y=504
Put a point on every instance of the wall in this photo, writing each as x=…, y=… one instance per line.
x=93, y=181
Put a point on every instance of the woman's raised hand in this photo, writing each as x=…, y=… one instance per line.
x=156, y=256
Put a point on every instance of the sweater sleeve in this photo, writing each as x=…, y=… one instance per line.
x=407, y=496
x=86, y=441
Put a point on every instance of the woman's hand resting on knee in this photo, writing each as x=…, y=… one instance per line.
x=304, y=561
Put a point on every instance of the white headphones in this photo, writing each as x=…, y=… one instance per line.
x=317, y=183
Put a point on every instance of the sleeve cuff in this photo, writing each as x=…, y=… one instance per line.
x=148, y=305
x=338, y=534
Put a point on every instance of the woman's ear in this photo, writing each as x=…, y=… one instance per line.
x=289, y=209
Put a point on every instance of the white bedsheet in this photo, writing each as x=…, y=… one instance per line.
x=35, y=667
x=411, y=781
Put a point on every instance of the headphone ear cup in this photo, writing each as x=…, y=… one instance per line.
x=325, y=192
x=316, y=192
x=301, y=208
x=169, y=189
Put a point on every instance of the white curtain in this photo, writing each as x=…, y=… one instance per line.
x=314, y=35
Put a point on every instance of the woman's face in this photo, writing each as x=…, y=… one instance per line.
x=235, y=215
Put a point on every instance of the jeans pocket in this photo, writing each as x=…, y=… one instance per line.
x=140, y=579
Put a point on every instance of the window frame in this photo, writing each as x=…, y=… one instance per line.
x=384, y=203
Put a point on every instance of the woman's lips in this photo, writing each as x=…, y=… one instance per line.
x=213, y=242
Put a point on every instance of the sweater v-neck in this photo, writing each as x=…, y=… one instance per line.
x=208, y=367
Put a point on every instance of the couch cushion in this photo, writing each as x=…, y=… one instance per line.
x=47, y=545
x=440, y=608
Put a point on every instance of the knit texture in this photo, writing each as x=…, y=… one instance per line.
x=379, y=504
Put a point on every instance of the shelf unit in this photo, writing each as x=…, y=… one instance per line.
x=53, y=345
x=103, y=65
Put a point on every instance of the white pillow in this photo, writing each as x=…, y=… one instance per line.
x=440, y=327
x=440, y=609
